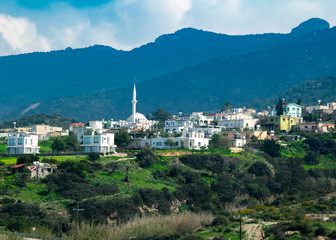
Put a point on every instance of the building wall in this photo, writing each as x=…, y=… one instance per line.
x=238, y=124
x=102, y=143
x=22, y=143
x=281, y=122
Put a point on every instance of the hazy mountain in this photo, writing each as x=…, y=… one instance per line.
x=184, y=71
x=311, y=91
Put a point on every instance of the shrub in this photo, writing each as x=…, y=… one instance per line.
x=28, y=159
x=93, y=156
x=146, y=158
x=312, y=158
x=271, y=148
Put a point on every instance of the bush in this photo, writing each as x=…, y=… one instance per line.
x=146, y=158
x=93, y=156
x=271, y=148
x=312, y=158
x=28, y=159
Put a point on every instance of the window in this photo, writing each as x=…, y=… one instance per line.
x=277, y=119
x=96, y=140
x=87, y=140
x=26, y=141
x=20, y=141
x=246, y=124
x=272, y=119
x=291, y=121
x=95, y=149
x=283, y=119
x=306, y=126
x=11, y=142
x=199, y=144
x=159, y=144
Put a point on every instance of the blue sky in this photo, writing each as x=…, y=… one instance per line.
x=45, y=25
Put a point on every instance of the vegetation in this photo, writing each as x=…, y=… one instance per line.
x=263, y=186
x=122, y=138
x=160, y=115
x=47, y=119
x=219, y=141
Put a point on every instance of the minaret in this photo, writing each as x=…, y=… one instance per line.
x=134, y=102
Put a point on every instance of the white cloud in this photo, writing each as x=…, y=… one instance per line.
x=127, y=24
x=21, y=35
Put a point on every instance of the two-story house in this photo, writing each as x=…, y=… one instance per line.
x=22, y=143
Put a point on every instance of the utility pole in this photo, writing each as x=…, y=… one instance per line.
x=77, y=209
x=240, y=227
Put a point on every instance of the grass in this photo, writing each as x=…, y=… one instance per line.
x=326, y=162
x=146, y=227
x=139, y=178
x=45, y=146
x=8, y=160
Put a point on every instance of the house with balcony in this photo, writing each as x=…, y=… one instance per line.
x=99, y=142
x=22, y=143
x=290, y=109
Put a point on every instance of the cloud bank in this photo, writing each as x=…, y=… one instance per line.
x=27, y=26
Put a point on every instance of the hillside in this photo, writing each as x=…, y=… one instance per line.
x=71, y=81
x=311, y=91
x=289, y=186
x=47, y=119
x=244, y=80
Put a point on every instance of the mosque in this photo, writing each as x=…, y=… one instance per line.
x=136, y=120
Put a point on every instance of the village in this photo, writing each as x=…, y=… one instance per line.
x=194, y=131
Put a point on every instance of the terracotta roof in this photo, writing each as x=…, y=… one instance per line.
x=217, y=114
x=77, y=124
x=17, y=166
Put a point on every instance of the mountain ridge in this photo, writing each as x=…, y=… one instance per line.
x=74, y=73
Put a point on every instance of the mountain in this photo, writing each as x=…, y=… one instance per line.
x=311, y=91
x=244, y=80
x=47, y=119
x=184, y=71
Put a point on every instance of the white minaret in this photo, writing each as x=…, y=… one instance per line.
x=134, y=102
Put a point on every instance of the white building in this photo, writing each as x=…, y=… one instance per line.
x=40, y=170
x=178, y=125
x=100, y=143
x=45, y=131
x=22, y=143
x=136, y=120
x=188, y=140
x=238, y=121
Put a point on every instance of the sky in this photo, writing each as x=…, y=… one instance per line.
x=45, y=25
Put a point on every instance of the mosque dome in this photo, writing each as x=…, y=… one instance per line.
x=139, y=118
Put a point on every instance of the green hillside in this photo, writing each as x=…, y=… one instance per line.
x=209, y=189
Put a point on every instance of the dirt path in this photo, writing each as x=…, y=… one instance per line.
x=254, y=231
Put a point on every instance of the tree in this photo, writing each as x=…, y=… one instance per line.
x=58, y=145
x=272, y=148
x=170, y=142
x=279, y=107
x=312, y=158
x=146, y=157
x=219, y=141
x=226, y=107
x=93, y=156
x=72, y=143
x=260, y=169
x=122, y=138
x=160, y=115
x=299, y=102
x=29, y=159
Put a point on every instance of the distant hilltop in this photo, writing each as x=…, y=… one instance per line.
x=184, y=71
